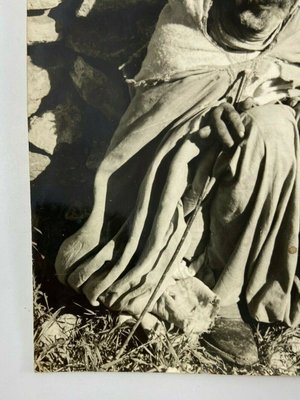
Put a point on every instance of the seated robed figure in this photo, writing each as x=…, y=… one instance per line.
x=214, y=116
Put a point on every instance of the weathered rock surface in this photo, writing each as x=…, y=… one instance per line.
x=42, y=4
x=42, y=133
x=100, y=6
x=293, y=344
x=61, y=328
x=38, y=86
x=283, y=361
x=42, y=29
x=67, y=119
x=38, y=163
x=111, y=39
x=51, y=55
x=98, y=90
x=103, y=35
x=61, y=125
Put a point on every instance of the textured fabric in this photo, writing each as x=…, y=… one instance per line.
x=256, y=208
x=156, y=224
x=181, y=46
x=154, y=170
x=226, y=33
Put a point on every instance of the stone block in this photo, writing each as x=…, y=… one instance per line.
x=51, y=55
x=57, y=330
x=61, y=125
x=98, y=90
x=38, y=86
x=37, y=164
x=42, y=132
x=41, y=29
x=67, y=119
x=99, y=6
x=113, y=38
x=42, y=4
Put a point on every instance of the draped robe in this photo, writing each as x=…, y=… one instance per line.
x=155, y=169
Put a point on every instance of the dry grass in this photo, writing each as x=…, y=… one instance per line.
x=89, y=339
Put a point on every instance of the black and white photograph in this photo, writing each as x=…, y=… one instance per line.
x=165, y=185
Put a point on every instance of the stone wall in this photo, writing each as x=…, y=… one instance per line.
x=76, y=96
x=76, y=92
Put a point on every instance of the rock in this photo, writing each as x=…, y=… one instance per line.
x=38, y=86
x=282, y=361
x=97, y=6
x=61, y=125
x=41, y=29
x=42, y=132
x=172, y=370
x=98, y=90
x=67, y=118
x=85, y=8
x=277, y=361
x=51, y=55
x=37, y=164
x=61, y=328
x=42, y=4
x=112, y=39
x=293, y=344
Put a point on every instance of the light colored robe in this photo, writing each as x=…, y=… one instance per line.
x=154, y=170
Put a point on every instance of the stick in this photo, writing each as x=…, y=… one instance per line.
x=208, y=184
x=242, y=84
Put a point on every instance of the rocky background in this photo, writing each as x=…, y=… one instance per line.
x=76, y=96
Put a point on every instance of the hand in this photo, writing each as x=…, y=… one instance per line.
x=225, y=122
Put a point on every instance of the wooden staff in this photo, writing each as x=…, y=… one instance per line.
x=209, y=184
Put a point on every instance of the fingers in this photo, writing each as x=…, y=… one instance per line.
x=219, y=126
x=246, y=104
x=205, y=132
x=235, y=122
x=224, y=121
x=227, y=124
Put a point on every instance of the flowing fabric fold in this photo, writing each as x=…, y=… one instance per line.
x=154, y=170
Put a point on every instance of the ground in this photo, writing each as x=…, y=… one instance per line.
x=71, y=335
x=77, y=337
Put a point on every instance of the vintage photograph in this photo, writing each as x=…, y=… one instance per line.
x=165, y=185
